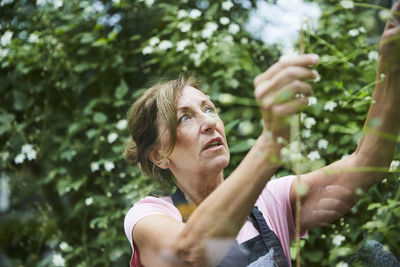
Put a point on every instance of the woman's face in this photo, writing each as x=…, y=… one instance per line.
x=201, y=146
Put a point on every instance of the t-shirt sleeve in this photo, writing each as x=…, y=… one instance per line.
x=280, y=189
x=146, y=207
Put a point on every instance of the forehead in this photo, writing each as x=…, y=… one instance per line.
x=191, y=95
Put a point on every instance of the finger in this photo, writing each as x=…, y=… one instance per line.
x=395, y=20
x=282, y=79
x=391, y=34
x=300, y=60
x=291, y=107
x=287, y=94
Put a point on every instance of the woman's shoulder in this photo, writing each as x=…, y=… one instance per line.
x=154, y=205
x=147, y=206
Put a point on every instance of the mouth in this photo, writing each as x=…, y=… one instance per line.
x=213, y=144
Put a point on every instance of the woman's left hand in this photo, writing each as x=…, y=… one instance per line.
x=283, y=90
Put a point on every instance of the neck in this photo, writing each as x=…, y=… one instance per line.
x=196, y=189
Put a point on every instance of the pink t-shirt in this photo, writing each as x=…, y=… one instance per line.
x=273, y=202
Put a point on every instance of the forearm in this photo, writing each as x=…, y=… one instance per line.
x=224, y=211
x=381, y=128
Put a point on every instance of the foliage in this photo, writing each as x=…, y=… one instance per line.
x=70, y=70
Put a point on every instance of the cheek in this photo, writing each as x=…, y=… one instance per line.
x=184, y=140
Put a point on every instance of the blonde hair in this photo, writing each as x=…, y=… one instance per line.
x=155, y=107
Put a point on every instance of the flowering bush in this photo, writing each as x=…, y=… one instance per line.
x=70, y=70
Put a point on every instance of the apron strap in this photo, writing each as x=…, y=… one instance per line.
x=270, y=239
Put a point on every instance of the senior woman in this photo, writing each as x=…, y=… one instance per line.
x=178, y=137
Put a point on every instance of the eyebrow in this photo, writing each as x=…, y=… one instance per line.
x=203, y=102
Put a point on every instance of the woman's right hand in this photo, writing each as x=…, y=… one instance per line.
x=283, y=90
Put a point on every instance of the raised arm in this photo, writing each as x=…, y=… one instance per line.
x=332, y=188
x=165, y=242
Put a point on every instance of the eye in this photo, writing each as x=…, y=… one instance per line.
x=209, y=110
x=183, y=118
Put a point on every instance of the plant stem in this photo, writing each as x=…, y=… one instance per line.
x=298, y=169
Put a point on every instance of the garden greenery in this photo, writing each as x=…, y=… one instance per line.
x=70, y=69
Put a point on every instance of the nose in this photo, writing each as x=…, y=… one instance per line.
x=208, y=124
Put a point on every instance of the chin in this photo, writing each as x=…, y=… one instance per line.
x=222, y=162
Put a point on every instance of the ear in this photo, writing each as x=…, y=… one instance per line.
x=157, y=158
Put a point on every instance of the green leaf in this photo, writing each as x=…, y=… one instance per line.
x=99, y=118
x=122, y=89
x=242, y=146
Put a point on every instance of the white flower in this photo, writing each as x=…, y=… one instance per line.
x=30, y=155
x=33, y=38
x=41, y=2
x=234, y=28
x=6, y=38
x=394, y=165
x=211, y=25
x=98, y=6
x=58, y=3
x=224, y=20
x=312, y=100
x=165, y=44
x=338, y=239
x=201, y=47
x=206, y=33
x=323, y=144
x=147, y=50
x=114, y=19
x=347, y=4
x=64, y=246
x=354, y=32
x=94, y=166
x=209, y=29
x=5, y=2
x=184, y=26
x=309, y=122
x=121, y=124
x=306, y=133
x=180, y=46
x=58, y=260
x=19, y=158
x=182, y=13
x=26, y=148
x=153, y=41
x=108, y=165
x=149, y=3
x=89, y=201
x=196, y=58
x=227, y=5
x=362, y=29
x=195, y=13
x=228, y=39
x=373, y=55
x=342, y=264
x=330, y=105
x=112, y=137
x=4, y=52
x=313, y=155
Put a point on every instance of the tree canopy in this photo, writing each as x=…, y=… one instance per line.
x=69, y=71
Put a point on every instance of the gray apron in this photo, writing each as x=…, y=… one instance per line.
x=263, y=250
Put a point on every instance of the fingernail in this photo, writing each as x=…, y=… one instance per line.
x=315, y=58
